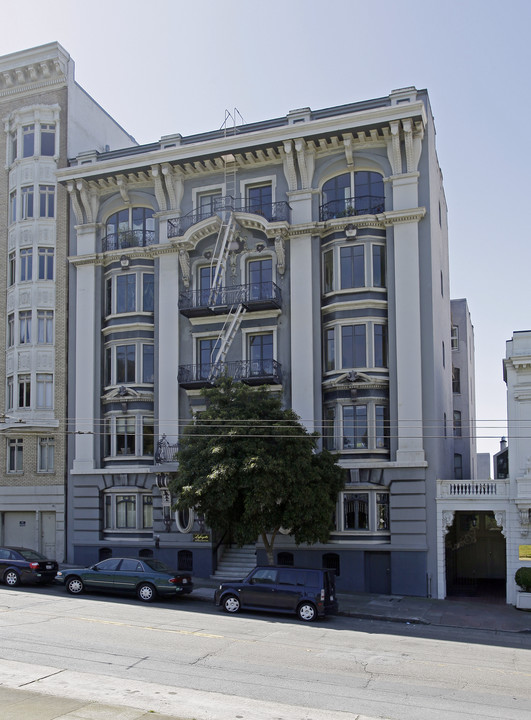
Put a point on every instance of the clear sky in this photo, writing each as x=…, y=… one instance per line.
x=165, y=66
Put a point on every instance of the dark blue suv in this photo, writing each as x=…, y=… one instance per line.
x=308, y=592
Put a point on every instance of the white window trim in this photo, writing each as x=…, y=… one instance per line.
x=206, y=190
x=257, y=182
x=139, y=494
x=260, y=330
x=361, y=489
x=138, y=415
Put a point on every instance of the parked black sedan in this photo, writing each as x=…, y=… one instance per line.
x=147, y=577
x=22, y=565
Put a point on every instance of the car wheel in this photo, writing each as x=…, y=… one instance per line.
x=12, y=578
x=307, y=612
x=146, y=592
x=231, y=604
x=75, y=586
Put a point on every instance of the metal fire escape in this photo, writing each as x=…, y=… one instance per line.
x=222, y=249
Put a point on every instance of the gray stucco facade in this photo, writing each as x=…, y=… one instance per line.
x=336, y=276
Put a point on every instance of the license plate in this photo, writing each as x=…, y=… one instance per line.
x=49, y=567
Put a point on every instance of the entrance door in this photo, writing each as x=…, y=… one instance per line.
x=48, y=534
x=475, y=556
x=378, y=572
x=19, y=529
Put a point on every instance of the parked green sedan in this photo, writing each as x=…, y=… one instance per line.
x=146, y=577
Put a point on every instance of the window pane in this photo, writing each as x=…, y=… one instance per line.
x=328, y=271
x=330, y=361
x=46, y=263
x=380, y=345
x=148, y=292
x=352, y=265
x=356, y=511
x=369, y=192
x=147, y=363
x=148, y=443
x=353, y=346
x=147, y=511
x=28, y=140
x=382, y=511
x=354, y=427
x=48, y=140
x=125, y=292
x=125, y=511
x=378, y=266
x=381, y=426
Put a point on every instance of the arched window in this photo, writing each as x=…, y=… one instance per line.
x=185, y=560
x=184, y=519
x=146, y=553
x=358, y=193
x=285, y=558
x=130, y=227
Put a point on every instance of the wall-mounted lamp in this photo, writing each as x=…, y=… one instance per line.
x=124, y=262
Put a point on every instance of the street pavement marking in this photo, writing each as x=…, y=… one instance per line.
x=148, y=627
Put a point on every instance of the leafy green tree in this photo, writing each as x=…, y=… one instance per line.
x=250, y=468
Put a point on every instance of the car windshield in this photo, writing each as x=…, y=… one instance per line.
x=156, y=565
x=31, y=555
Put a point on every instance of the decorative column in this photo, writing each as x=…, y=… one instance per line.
x=167, y=363
x=407, y=294
x=86, y=392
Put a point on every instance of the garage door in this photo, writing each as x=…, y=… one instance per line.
x=19, y=529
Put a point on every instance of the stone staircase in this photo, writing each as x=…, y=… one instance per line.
x=236, y=562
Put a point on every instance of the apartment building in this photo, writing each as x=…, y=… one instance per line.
x=308, y=253
x=47, y=117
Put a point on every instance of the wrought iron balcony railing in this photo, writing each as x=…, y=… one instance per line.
x=348, y=207
x=251, y=372
x=272, y=212
x=128, y=239
x=254, y=296
x=166, y=451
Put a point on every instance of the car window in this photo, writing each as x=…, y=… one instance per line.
x=287, y=577
x=109, y=564
x=156, y=565
x=131, y=565
x=308, y=577
x=31, y=555
x=5, y=554
x=264, y=576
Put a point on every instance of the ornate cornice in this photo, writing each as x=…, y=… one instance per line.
x=30, y=71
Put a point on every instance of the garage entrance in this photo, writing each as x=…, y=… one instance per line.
x=475, y=557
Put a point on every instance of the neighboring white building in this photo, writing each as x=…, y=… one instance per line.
x=46, y=118
x=517, y=375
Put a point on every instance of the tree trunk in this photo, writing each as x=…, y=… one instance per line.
x=268, y=544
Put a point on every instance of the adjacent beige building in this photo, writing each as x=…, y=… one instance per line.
x=46, y=118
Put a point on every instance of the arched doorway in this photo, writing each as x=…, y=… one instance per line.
x=475, y=557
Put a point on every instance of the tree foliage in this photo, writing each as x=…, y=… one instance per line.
x=250, y=468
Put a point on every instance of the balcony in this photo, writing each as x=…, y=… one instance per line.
x=473, y=489
x=254, y=296
x=251, y=372
x=166, y=451
x=350, y=207
x=272, y=212
x=128, y=239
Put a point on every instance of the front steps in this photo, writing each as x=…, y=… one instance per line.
x=236, y=563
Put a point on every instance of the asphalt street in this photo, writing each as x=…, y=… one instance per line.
x=186, y=659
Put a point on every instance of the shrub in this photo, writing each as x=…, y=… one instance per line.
x=523, y=578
